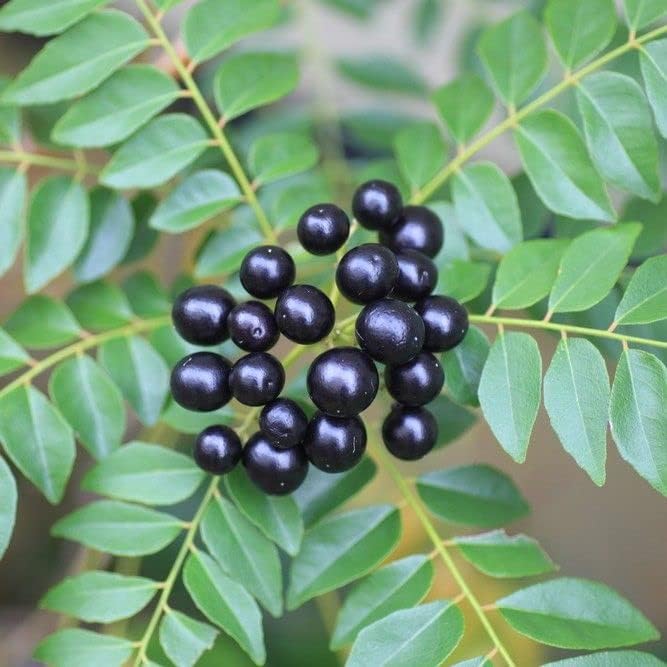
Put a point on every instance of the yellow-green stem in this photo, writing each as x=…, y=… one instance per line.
x=50, y=161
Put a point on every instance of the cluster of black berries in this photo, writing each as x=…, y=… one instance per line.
x=385, y=278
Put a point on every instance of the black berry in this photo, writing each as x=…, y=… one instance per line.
x=335, y=444
x=445, y=321
x=200, y=382
x=266, y=271
x=275, y=471
x=416, y=382
x=390, y=331
x=253, y=327
x=323, y=229
x=417, y=276
x=283, y=423
x=418, y=228
x=409, y=433
x=257, y=379
x=343, y=382
x=200, y=314
x=367, y=273
x=305, y=314
x=217, y=449
x=377, y=204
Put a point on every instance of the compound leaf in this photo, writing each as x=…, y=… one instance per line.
x=13, y=192
x=42, y=322
x=463, y=366
x=40, y=18
x=72, y=646
x=645, y=299
x=653, y=60
x=276, y=156
x=184, y=639
x=642, y=12
x=420, y=152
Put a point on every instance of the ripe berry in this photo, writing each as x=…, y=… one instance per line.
x=367, y=273
x=253, y=327
x=305, y=314
x=200, y=314
x=389, y=331
x=323, y=229
x=418, y=228
x=416, y=382
x=343, y=382
x=417, y=276
x=217, y=449
x=409, y=433
x=335, y=444
x=257, y=379
x=283, y=423
x=266, y=271
x=275, y=471
x=377, y=204
x=200, y=382
x=445, y=321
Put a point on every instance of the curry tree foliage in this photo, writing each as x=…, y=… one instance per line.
x=101, y=152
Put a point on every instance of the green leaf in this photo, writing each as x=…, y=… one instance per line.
x=74, y=646
x=183, y=639
x=431, y=632
x=465, y=105
x=246, y=81
x=641, y=13
x=100, y=597
x=198, y=198
x=481, y=661
x=243, y=553
x=556, y=160
x=158, y=151
x=463, y=280
x=486, y=206
x=100, y=306
x=590, y=267
x=44, y=18
x=140, y=373
x=580, y=30
x=515, y=72
x=8, y=498
x=382, y=72
x=653, y=61
x=10, y=118
x=340, y=549
x=186, y=421
x=78, y=60
x=420, y=152
x=276, y=156
x=42, y=322
x=57, y=229
x=91, y=403
x=226, y=603
x=146, y=296
x=527, y=273
x=292, y=201
x=37, y=439
x=575, y=613
x=13, y=190
x=473, y=495
x=638, y=417
x=145, y=473
x=645, y=299
x=145, y=238
x=212, y=26
x=400, y=585
x=323, y=492
x=576, y=396
x=278, y=517
x=509, y=391
x=12, y=355
x=498, y=554
x=453, y=420
x=463, y=366
x=119, y=528
x=610, y=659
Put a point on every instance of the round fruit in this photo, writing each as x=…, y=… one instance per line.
x=367, y=273
x=217, y=449
x=253, y=327
x=445, y=321
x=418, y=228
x=335, y=444
x=305, y=314
x=343, y=382
x=275, y=471
x=200, y=314
x=283, y=423
x=266, y=271
x=409, y=433
x=390, y=331
x=257, y=379
x=323, y=229
x=417, y=276
x=377, y=204
x=200, y=382
x=416, y=382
